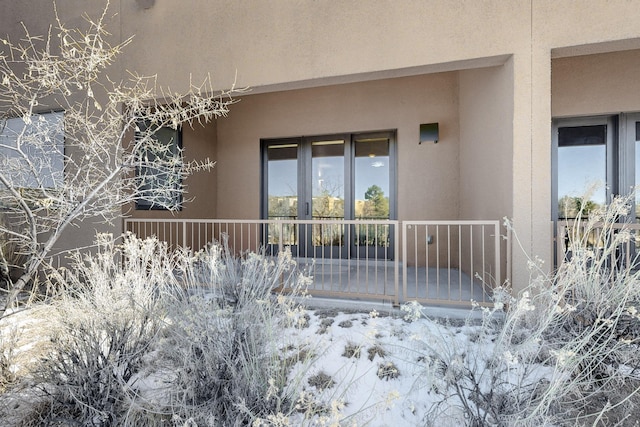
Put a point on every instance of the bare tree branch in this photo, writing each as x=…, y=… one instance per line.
x=79, y=160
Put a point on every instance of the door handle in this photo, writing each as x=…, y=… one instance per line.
x=306, y=208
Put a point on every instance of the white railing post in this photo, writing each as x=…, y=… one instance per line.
x=396, y=254
x=184, y=235
x=405, y=255
x=497, y=253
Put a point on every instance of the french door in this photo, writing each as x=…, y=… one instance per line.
x=330, y=179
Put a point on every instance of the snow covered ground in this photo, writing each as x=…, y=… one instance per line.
x=365, y=368
x=375, y=365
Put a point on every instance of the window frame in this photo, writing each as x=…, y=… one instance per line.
x=612, y=152
x=304, y=165
x=143, y=204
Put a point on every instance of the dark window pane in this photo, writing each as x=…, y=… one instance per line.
x=582, y=135
x=160, y=175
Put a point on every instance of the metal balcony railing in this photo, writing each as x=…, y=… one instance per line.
x=435, y=262
x=596, y=237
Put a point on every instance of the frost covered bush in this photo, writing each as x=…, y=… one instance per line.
x=224, y=344
x=467, y=370
x=140, y=336
x=107, y=315
x=562, y=352
x=588, y=314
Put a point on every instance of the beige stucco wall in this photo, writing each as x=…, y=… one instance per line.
x=428, y=174
x=486, y=155
x=607, y=83
x=486, y=135
x=284, y=42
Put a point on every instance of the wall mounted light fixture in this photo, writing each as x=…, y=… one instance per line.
x=429, y=133
x=146, y=4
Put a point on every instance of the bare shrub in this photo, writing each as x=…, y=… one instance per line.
x=141, y=336
x=224, y=343
x=321, y=381
x=346, y=324
x=352, y=350
x=325, y=324
x=588, y=312
x=388, y=371
x=106, y=317
x=558, y=352
x=376, y=350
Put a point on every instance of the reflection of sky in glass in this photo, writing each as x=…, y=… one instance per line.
x=283, y=177
x=371, y=171
x=327, y=168
x=579, y=167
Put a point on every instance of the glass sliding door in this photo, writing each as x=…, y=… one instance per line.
x=330, y=179
x=587, y=171
x=372, y=189
x=282, y=192
x=327, y=184
x=604, y=150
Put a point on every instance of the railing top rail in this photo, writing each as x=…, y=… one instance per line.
x=264, y=221
x=453, y=222
x=585, y=223
x=195, y=220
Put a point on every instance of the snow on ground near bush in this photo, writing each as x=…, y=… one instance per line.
x=375, y=363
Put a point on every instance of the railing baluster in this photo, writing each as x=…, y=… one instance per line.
x=471, y=266
x=459, y=261
x=426, y=262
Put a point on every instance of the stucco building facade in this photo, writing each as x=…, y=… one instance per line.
x=498, y=77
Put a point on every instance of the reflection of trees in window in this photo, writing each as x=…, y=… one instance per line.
x=570, y=207
x=375, y=206
x=329, y=205
x=283, y=207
